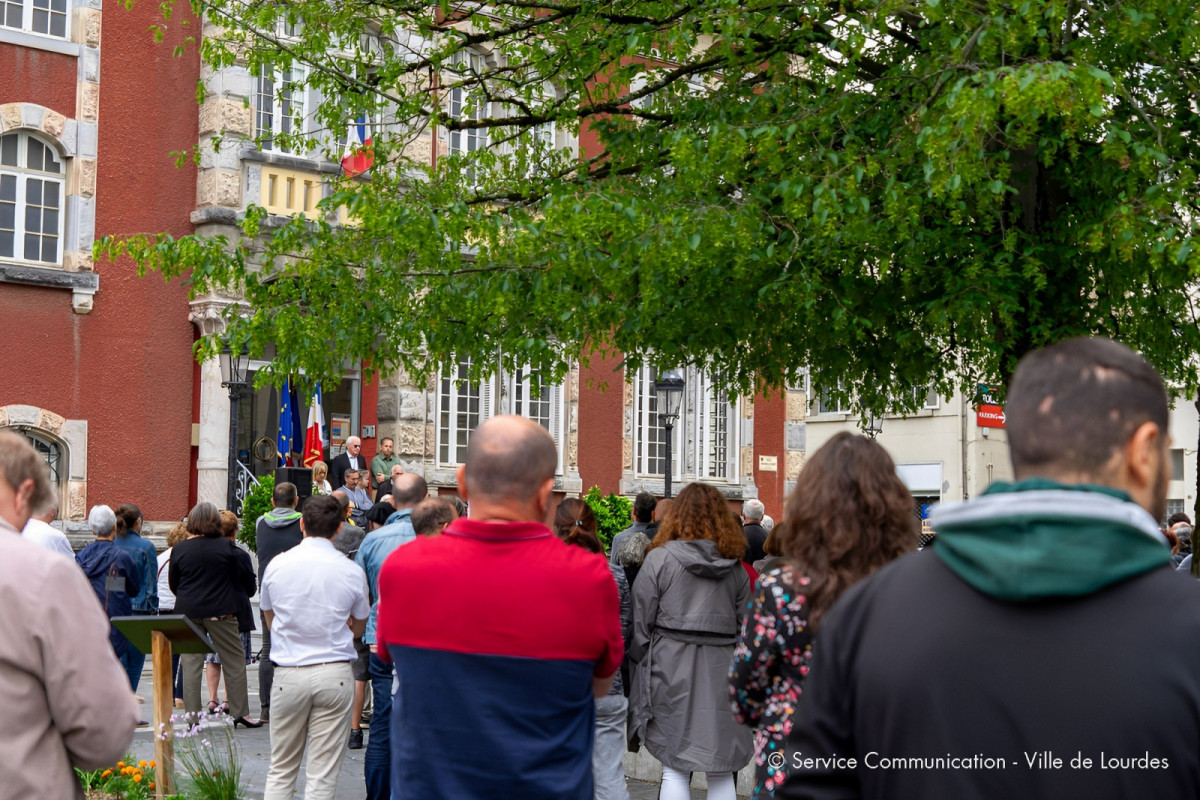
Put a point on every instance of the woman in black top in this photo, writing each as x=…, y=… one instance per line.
x=207, y=575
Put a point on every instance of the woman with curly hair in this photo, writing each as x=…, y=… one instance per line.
x=689, y=600
x=848, y=516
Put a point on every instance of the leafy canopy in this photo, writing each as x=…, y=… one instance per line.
x=889, y=192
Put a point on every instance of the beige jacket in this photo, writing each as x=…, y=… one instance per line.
x=65, y=698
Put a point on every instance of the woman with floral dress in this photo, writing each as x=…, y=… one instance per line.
x=848, y=516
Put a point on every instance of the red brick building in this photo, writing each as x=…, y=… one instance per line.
x=96, y=362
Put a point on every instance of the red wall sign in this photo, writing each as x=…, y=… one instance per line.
x=989, y=416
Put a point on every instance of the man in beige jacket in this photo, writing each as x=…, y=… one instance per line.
x=65, y=696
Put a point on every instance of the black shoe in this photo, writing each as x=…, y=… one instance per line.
x=246, y=722
x=356, y=742
x=265, y=714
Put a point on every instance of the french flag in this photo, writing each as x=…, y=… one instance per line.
x=359, y=157
x=314, y=436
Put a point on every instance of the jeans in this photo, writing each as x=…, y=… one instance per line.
x=266, y=670
x=133, y=660
x=608, y=770
x=377, y=763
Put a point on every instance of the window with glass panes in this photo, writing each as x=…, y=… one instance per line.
x=717, y=421
x=31, y=198
x=279, y=106
x=461, y=107
x=827, y=404
x=542, y=404
x=48, y=17
x=650, y=445
x=462, y=406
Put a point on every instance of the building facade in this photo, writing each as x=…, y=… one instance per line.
x=97, y=362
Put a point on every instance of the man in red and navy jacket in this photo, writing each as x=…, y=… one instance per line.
x=501, y=635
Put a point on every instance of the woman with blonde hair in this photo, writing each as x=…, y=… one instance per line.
x=688, y=603
x=320, y=478
x=849, y=515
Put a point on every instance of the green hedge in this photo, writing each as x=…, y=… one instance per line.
x=612, y=514
x=258, y=502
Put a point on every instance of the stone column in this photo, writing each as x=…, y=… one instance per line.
x=212, y=460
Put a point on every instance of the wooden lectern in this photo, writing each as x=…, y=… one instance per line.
x=157, y=637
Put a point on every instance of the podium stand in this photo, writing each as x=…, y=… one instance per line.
x=157, y=637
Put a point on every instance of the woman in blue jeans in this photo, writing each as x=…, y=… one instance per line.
x=575, y=524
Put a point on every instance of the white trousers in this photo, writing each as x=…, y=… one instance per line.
x=677, y=785
x=313, y=704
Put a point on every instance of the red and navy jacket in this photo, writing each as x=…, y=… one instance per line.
x=496, y=630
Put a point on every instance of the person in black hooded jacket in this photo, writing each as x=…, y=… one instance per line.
x=1044, y=648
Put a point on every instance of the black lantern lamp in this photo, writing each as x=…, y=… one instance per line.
x=235, y=369
x=669, y=389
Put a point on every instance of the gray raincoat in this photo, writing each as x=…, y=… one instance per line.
x=688, y=606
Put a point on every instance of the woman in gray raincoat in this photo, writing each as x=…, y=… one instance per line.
x=689, y=600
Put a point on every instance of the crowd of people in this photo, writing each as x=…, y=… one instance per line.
x=506, y=657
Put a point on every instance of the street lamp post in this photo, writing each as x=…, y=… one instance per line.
x=234, y=370
x=669, y=390
x=874, y=426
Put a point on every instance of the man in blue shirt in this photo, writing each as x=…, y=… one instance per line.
x=407, y=490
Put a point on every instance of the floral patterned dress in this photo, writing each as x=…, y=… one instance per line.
x=769, y=665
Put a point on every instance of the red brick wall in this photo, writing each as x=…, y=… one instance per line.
x=601, y=412
x=770, y=411
x=36, y=76
x=127, y=367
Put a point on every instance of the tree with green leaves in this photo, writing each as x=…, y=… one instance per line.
x=891, y=193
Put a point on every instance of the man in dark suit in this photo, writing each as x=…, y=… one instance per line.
x=351, y=459
x=756, y=534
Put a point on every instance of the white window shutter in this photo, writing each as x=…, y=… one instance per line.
x=487, y=399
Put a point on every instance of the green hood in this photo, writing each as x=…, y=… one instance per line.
x=280, y=517
x=1038, y=539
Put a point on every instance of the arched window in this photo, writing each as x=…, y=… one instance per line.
x=54, y=453
x=31, y=200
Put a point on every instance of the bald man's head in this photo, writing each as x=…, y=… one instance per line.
x=508, y=459
x=408, y=490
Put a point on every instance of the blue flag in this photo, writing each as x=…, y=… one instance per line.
x=287, y=434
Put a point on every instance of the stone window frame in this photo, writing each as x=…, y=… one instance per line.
x=74, y=143
x=69, y=434
x=690, y=434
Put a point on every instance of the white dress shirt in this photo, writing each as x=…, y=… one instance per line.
x=166, y=598
x=45, y=535
x=313, y=591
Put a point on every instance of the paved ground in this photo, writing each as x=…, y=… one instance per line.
x=255, y=749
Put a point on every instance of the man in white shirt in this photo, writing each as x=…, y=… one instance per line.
x=314, y=601
x=39, y=530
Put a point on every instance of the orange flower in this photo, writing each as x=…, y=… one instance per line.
x=137, y=778
x=151, y=784
x=142, y=764
x=152, y=763
x=120, y=763
x=107, y=773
